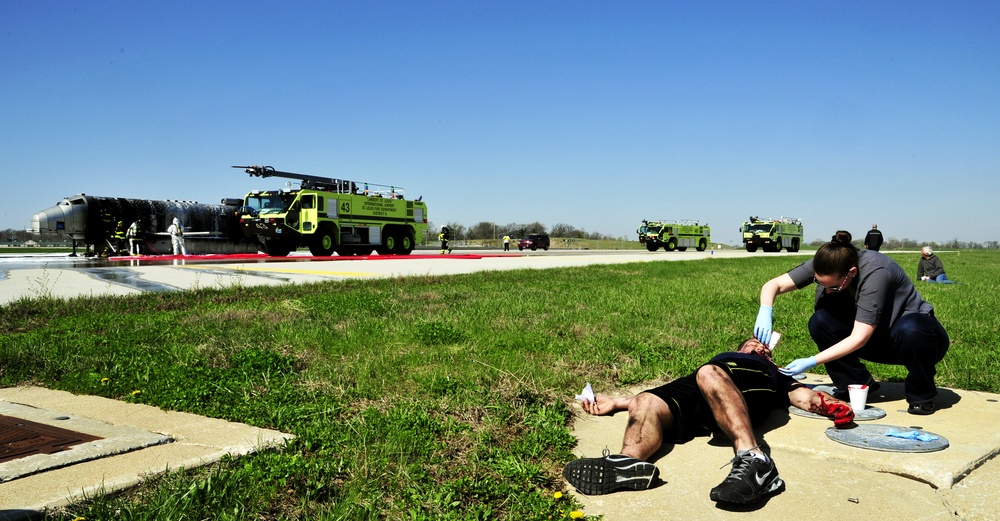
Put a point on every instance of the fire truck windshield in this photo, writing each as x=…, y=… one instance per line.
x=265, y=204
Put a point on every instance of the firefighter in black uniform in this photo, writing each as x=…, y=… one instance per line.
x=445, y=236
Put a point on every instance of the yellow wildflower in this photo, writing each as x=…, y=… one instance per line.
x=576, y=514
x=135, y=392
x=557, y=495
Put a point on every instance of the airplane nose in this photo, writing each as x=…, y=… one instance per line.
x=48, y=221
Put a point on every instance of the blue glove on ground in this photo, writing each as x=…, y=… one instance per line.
x=799, y=366
x=762, y=329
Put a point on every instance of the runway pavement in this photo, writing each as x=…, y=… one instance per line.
x=64, y=277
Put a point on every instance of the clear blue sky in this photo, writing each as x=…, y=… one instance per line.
x=596, y=114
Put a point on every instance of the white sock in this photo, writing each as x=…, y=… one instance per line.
x=759, y=455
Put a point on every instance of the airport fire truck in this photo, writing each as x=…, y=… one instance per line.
x=674, y=235
x=772, y=234
x=330, y=215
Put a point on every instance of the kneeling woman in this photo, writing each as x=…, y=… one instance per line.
x=866, y=309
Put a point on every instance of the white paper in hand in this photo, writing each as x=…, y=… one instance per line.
x=587, y=394
x=774, y=340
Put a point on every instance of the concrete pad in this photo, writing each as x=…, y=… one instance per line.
x=58, y=283
x=197, y=441
x=114, y=439
x=823, y=477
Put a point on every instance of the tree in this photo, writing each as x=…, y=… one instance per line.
x=482, y=230
x=457, y=231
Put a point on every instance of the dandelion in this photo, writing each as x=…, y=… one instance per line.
x=557, y=495
x=104, y=381
x=81, y=518
x=576, y=514
x=136, y=392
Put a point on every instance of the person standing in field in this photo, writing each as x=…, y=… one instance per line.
x=873, y=240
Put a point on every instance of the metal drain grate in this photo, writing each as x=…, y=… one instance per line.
x=20, y=438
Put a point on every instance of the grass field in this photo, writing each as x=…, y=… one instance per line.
x=426, y=397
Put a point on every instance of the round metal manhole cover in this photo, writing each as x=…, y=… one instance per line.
x=870, y=413
x=888, y=438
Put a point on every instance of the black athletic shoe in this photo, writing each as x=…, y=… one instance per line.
x=595, y=476
x=921, y=408
x=749, y=480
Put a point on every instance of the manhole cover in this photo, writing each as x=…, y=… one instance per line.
x=870, y=413
x=888, y=438
x=20, y=438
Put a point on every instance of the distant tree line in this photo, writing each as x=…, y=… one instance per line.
x=893, y=243
x=12, y=237
x=489, y=230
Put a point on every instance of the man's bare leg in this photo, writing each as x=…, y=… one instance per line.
x=754, y=473
x=648, y=418
x=728, y=406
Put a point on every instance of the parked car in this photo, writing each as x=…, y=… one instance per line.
x=533, y=242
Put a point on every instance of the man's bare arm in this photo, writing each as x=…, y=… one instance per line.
x=823, y=404
x=606, y=404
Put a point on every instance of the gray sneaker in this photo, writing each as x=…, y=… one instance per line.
x=595, y=476
x=749, y=480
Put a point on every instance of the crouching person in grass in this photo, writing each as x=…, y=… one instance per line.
x=733, y=393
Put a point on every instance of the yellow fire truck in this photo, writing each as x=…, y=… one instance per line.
x=772, y=234
x=674, y=235
x=330, y=215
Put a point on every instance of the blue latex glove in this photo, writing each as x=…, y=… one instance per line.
x=762, y=329
x=911, y=435
x=800, y=365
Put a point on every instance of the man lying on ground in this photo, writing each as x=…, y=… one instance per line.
x=733, y=392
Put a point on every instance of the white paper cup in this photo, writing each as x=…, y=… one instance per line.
x=859, y=396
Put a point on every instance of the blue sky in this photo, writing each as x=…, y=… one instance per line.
x=595, y=114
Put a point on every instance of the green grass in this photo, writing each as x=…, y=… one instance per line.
x=425, y=397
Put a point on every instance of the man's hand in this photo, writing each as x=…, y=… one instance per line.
x=800, y=365
x=762, y=328
x=837, y=410
x=603, y=405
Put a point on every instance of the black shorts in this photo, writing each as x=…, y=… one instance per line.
x=692, y=415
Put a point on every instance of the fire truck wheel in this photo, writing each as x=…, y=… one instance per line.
x=702, y=245
x=391, y=242
x=405, y=243
x=277, y=248
x=323, y=243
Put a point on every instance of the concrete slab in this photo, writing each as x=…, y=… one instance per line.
x=821, y=475
x=114, y=439
x=196, y=441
